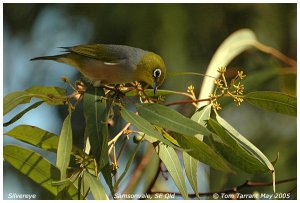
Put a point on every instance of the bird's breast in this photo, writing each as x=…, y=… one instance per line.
x=114, y=73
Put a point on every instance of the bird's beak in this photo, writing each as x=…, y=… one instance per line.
x=154, y=87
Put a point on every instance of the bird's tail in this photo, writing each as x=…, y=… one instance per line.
x=53, y=58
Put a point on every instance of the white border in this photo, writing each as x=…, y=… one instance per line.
x=132, y=1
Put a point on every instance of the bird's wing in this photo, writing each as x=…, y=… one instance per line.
x=99, y=52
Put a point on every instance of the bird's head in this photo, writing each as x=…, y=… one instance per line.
x=151, y=69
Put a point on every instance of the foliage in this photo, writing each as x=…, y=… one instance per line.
x=205, y=137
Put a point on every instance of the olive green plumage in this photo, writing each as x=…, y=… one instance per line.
x=113, y=64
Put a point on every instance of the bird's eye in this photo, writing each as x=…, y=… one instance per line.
x=156, y=73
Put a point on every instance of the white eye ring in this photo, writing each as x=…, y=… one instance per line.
x=156, y=73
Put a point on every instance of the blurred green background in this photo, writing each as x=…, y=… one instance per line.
x=186, y=36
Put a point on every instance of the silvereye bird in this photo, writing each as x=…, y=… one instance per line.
x=113, y=64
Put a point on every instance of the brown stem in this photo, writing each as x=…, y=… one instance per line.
x=187, y=102
x=122, y=147
x=139, y=169
x=247, y=184
x=276, y=53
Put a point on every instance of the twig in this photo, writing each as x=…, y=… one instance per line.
x=276, y=53
x=122, y=147
x=139, y=169
x=247, y=184
x=114, y=140
x=187, y=102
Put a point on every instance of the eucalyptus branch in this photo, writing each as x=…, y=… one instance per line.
x=276, y=53
x=115, y=139
x=122, y=147
x=246, y=184
x=186, y=102
x=146, y=159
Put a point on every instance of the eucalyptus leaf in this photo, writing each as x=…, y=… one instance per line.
x=50, y=95
x=190, y=164
x=81, y=184
x=202, y=115
x=96, y=131
x=191, y=171
x=143, y=125
x=95, y=115
x=37, y=137
x=172, y=163
x=273, y=101
x=234, y=153
x=37, y=168
x=13, y=99
x=240, y=159
x=33, y=165
x=64, y=147
x=202, y=152
x=96, y=187
x=246, y=144
x=170, y=119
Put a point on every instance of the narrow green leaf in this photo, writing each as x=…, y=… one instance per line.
x=170, y=119
x=81, y=184
x=60, y=182
x=202, y=152
x=234, y=153
x=64, y=147
x=107, y=174
x=191, y=170
x=37, y=168
x=37, y=137
x=13, y=99
x=273, y=101
x=232, y=46
x=143, y=125
x=172, y=163
x=96, y=121
x=95, y=186
x=202, y=115
x=223, y=134
x=96, y=131
x=33, y=165
x=22, y=113
x=240, y=159
x=127, y=165
x=50, y=95
x=246, y=144
x=190, y=164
